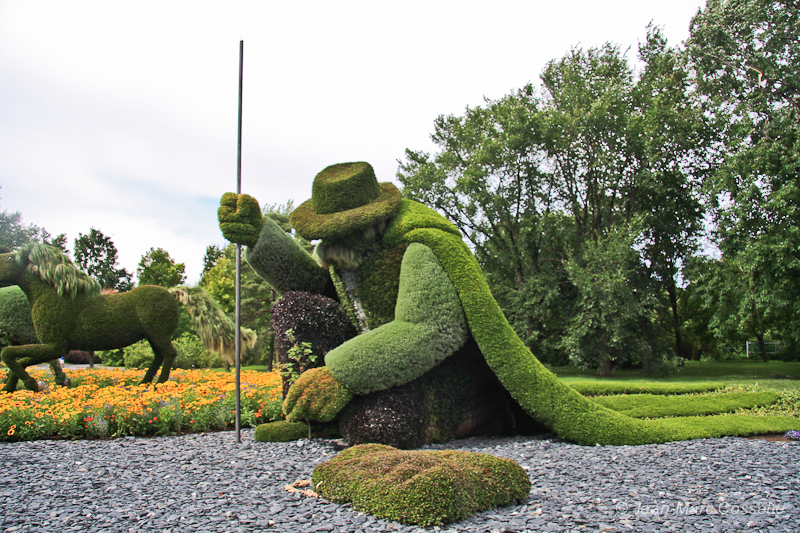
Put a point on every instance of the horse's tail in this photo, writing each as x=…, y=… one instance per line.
x=213, y=326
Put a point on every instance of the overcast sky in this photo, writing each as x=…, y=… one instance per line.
x=122, y=116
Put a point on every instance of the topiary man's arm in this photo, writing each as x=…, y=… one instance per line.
x=272, y=252
x=429, y=326
x=283, y=263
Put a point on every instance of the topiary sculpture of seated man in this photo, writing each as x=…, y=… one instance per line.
x=434, y=357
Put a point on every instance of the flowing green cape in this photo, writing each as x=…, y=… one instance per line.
x=542, y=395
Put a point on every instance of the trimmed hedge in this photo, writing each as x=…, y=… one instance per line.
x=280, y=431
x=429, y=325
x=420, y=487
x=604, y=388
x=653, y=406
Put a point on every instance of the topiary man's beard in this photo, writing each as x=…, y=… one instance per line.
x=348, y=252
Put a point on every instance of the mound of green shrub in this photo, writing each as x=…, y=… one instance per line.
x=656, y=406
x=420, y=487
x=606, y=388
x=281, y=431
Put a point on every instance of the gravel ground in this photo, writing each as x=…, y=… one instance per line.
x=206, y=482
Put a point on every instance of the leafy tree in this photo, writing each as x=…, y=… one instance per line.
x=212, y=255
x=97, y=256
x=612, y=323
x=745, y=54
x=157, y=268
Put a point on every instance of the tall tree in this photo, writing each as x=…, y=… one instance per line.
x=157, y=268
x=745, y=54
x=96, y=254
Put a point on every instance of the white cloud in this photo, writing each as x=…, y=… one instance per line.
x=123, y=116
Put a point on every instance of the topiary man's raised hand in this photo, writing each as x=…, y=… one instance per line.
x=239, y=218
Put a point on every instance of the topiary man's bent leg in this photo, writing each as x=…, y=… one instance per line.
x=429, y=326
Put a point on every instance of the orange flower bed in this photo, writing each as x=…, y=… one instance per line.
x=105, y=403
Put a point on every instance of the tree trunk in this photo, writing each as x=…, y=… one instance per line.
x=676, y=326
x=760, y=337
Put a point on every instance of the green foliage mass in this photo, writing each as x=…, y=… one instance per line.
x=540, y=180
x=158, y=268
x=379, y=283
x=429, y=325
x=420, y=487
x=280, y=431
x=657, y=406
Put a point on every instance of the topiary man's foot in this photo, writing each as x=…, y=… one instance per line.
x=281, y=431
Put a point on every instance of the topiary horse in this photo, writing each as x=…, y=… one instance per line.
x=69, y=313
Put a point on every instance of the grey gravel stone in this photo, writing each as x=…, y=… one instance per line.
x=208, y=483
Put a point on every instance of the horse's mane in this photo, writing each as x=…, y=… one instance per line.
x=55, y=268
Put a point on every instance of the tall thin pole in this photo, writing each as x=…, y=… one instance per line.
x=238, y=302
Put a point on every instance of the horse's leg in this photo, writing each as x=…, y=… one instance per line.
x=168, y=353
x=61, y=377
x=10, y=384
x=30, y=354
x=151, y=371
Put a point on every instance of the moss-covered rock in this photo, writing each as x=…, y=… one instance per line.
x=420, y=487
x=281, y=431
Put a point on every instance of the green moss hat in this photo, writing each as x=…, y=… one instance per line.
x=345, y=197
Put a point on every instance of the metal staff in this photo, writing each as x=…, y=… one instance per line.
x=238, y=302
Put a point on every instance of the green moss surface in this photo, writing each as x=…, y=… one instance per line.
x=280, y=431
x=429, y=325
x=345, y=197
x=420, y=487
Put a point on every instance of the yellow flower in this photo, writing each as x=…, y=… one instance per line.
x=10, y=432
